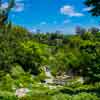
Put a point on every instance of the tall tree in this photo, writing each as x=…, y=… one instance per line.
x=95, y=6
x=94, y=30
x=5, y=11
x=80, y=30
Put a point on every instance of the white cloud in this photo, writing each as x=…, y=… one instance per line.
x=32, y=30
x=70, y=11
x=43, y=23
x=87, y=9
x=66, y=21
x=19, y=7
x=5, y=5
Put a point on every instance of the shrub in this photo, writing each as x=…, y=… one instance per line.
x=17, y=71
x=4, y=95
x=85, y=96
x=61, y=96
x=6, y=83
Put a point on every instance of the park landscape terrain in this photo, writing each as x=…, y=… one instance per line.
x=49, y=66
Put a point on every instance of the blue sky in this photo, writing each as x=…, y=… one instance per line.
x=52, y=15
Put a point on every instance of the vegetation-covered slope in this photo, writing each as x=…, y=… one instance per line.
x=80, y=53
x=23, y=55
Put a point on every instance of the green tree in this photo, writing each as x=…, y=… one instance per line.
x=95, y=6
x=5, y=11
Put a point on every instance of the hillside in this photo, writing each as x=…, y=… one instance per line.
x=23, y=56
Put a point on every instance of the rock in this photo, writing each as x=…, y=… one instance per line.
x=21, y=92
x=48, y=74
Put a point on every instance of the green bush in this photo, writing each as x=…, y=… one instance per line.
x=36, y=97
x=6, y=83
x=85, y=96
x=61, y=96
x=17, y=71
x=4, y=95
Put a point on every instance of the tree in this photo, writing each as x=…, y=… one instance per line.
x=90, y=62
x=93, y=30
x=5, y=11
x=80, y=31
x=95, y=6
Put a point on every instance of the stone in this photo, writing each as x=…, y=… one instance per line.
x=21, y=92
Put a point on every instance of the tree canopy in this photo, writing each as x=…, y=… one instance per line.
x=95, y=6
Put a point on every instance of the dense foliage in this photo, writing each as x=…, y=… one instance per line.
x=23, y=54
x=95, y=6
x=78, y=53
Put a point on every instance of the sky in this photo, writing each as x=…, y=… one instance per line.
x=52, y=15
